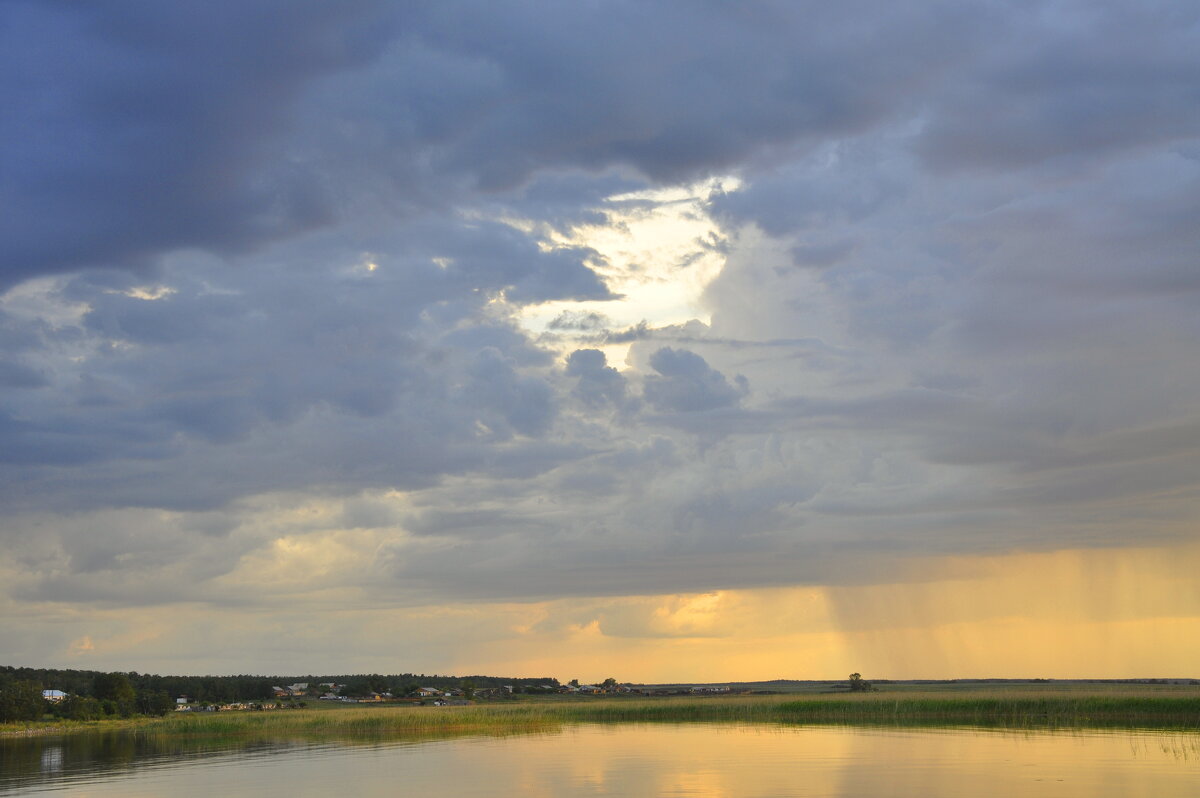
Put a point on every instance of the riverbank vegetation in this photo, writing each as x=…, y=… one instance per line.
x=991, y=708
x=897, y=709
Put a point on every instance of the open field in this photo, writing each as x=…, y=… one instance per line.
x=1015, y=706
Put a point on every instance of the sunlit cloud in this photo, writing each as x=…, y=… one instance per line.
x=659, y=250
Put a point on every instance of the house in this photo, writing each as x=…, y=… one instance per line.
x=181, y=700
x=426, y=692
x=53, y=696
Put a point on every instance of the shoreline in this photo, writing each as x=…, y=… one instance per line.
x=978, y=709
x=45, y=728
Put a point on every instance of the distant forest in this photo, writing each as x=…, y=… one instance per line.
x=222, y=689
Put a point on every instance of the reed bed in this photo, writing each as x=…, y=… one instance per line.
x=39, y=728
x=1051, y=711
x=990, y=711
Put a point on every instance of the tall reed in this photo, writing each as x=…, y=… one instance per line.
x=1043, y=711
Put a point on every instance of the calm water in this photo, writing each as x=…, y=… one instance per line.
x=671, y=760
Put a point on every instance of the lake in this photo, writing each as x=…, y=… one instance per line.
x=704, y=760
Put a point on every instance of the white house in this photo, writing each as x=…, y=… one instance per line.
x=53, y=696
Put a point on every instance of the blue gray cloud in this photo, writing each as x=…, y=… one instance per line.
x=259, y=256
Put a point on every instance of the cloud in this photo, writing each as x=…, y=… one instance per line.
x=19, y=375
x=584, y=321
x=599, y=383
x=226, y=382
x=267, y=278
x=1076, y=92
x=156, y=132
x=685, y=383
x=334, y=116
x=512, y=402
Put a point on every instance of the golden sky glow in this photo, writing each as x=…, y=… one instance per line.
x=1110, y=613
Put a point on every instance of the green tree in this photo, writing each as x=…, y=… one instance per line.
x=858, y=685
x=609, y=683
x=79, y=707
x=115, y=692
x=154, y=702
x=112, y=687
x=21, y=699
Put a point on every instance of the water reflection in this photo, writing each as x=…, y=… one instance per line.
x=703, y=761
x=25, y=762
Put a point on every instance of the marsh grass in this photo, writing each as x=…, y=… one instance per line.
x=63, y=726
x=1007, y=711
x=1014, y=706
x=984, y=709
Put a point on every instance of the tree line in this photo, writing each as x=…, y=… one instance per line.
x=407, y=683
x=96, y=694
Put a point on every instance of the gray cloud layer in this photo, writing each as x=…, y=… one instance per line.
x=252, y=250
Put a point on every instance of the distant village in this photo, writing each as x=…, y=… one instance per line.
x=430, y=696
x=90, y=695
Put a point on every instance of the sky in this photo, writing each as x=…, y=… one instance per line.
x=675, y=341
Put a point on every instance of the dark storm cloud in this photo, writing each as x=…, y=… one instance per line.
x=137, y=128
x=593, y=85
x=142, y=128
